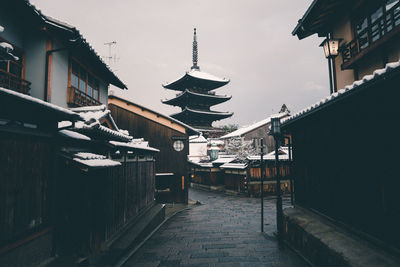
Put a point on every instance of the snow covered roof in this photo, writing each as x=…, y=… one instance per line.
x=72, y=36
x=196, y=77
x=210, y=112
x=205, y=76
x=240, y=166
x=197, y=139
x=135, y=144
x=73, y=135
x=222, y=160
x=203, y=164
x=247, y=129
x=17, y=104
x=283, y=155
x=94, y=160
x=216, y=142
x=189, y=95
x=91, y=124
x=340, y=94
x=199, y=75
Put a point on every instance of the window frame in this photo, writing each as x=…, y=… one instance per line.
x=17, y=52
x=88, y=72
x=366, y=13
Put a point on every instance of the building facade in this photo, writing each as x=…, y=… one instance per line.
x=53, y=60
x=168, y=135
x=356, y=189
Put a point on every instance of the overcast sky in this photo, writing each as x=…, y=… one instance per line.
x=247, y=41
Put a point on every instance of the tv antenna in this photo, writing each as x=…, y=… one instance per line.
x=110, y=57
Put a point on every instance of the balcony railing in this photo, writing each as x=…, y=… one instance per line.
x=13, y=82
x=77, y=98
x=372, y=36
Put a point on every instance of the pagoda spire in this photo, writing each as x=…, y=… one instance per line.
x=195, y=52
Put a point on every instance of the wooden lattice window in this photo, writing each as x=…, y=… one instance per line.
x=84, y=80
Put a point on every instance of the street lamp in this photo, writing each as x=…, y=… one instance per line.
x=276, y=133
x=331, y=50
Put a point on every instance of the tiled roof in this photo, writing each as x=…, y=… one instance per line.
x=357, y=85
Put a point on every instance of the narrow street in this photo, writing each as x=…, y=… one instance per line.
x=223, y=231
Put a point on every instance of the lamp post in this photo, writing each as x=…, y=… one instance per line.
x=262, y=182
x=331, y=50
x=276, y=133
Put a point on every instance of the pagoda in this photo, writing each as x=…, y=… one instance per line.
x=197, y=96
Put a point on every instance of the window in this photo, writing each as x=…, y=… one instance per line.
x=377, y=22
x=84, y=81
x=11, y=72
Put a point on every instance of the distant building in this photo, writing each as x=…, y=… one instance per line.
x=196, y=97
x=256, y=131
x=168, y=135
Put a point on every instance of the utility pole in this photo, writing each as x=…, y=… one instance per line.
x=262, y=182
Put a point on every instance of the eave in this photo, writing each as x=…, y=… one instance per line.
x=196, y=79
x=318, y=17
x=210, y=115
x=192, y=97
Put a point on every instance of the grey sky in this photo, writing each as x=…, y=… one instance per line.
x=247, y=41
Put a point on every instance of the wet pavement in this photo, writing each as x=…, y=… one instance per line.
x=223, y=231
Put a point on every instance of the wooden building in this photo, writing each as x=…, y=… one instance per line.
x=352, y=179
x=243, y=176
x=168, y=135
x=253, y=133
x=53, y=61
x=28, y=152
x=196, y=97
x=106, y=181
x=254, y=173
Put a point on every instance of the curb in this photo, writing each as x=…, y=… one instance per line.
x=126, y=257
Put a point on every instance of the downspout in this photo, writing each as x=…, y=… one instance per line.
x=46, y=77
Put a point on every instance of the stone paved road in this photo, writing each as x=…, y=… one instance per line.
x=223, y=231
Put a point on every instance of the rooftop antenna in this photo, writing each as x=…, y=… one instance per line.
x=110, y=57
x=195, y=52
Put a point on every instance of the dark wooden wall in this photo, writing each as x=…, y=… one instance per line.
x=26, y=177
x=161, y=137
x=95, y=206
x=346, y=160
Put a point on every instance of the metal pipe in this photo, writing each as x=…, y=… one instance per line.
x=262, y=183
x=46, y=71
x=279, y=213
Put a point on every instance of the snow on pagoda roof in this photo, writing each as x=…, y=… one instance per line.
x=199, y=94
x=205, y=76
x=198, y=75
x=246, y=129
x=342, y=92
x=208, y=112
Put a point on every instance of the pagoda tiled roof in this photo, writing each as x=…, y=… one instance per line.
x=213, y=115
x=211, y=99
x=196, y=79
